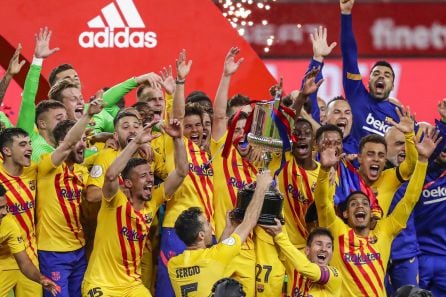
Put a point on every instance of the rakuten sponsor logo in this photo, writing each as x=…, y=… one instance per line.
x=387, y=35
x=116, y=31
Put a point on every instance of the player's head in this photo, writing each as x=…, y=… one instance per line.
x=412, y=291
x=144, y=110
x=193, y=123
x=381, y=80
x=15, y=146
x=77, y=151
x=238, y=102
x=339, y=113
x=127, y=125
x=329, y=134
x=201, y=99
x=48, y=114
x=138, y=178
x=319, y=247
x=63, y=71
x=303, y=147
x=69, y=94
x=3, y=204
x=357, y=211
x=372, y=157
x=227, y=287
x=322, y=110
x=154, y=98
x=193, y=228
x=238, y=138
x=207, y=129
x=396, y=146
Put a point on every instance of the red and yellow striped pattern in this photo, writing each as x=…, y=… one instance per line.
x=20, y=197
x=59, y=192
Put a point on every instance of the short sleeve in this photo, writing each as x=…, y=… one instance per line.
x=46, y=164
x=225, y=251
x=14, y=238
x=97, y=171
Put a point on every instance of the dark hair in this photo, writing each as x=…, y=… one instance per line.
x=46, y=105
x=243, y=116
x=122, y=114
x=62, y=128
x=188, y=225
x=337, y=98
x=343, y=205
x=311, y=214
x=319, y=231
x=373, y=138
x=298, y=120
x=193, y=109
x=227, y=287
x=2, y=190
x=132, y=163
x=7, y=135
x=412, y=291
x=385, y=64
x=55, y=92
x=197, y=97
x=56, y=71
x=327, y=128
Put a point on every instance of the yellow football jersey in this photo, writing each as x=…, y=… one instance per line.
x=194, y=272
x=59, y=194
x=20, y=197
x=11, y=241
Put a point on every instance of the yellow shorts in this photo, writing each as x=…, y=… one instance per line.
x=270, y=272
x=19, y=283
x=92, y=290
x=242, y=269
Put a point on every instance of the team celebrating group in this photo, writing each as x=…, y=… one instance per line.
x=99, y=199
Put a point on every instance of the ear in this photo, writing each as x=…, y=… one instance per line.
x=6, y=151
x=128, y=183
x=41, y=124
x=345, y=214
x=115, y=136
x=200, y=235
x=307, y=251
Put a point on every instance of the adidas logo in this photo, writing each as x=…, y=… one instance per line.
x=116, y=22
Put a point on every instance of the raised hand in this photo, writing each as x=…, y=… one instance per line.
x=168, y=80
x=442, y=109
x=426, y=146
x=273, y=230
x=146, y=136
x=406, y=123
x=310, y=85
x=96, y=105
x=346, y=6
x=329, y=155
x=183, y=67
x=151, y=79
x=173, y=129
x=264, y=178
x=42, y=49
x=231, y=66
x=320, y=47
x=14, y=65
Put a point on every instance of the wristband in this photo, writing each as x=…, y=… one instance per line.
x=179, y=81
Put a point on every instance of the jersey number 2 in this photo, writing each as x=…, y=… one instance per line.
x=259, y=269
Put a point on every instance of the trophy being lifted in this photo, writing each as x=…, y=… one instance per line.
x=269, y=133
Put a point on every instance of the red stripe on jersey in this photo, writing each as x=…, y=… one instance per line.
x=73, y=206
x=348, y=266
x=119, y=220
x=231, y=190
x=204, y=160
x=291, y=199
x=128, y=214
x=63, y=206
x=140, y=224
x=371, y=266
x=13, y=191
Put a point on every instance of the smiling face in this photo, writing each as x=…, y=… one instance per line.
x=193, y=128
x=77, y=153
x=238, y=138
x=302, y=148
x=372, y=159
x=74, y=103
x=19, y=150
x=141, y=182
x=339, y=113
x=358, y=211
x=69, y=74
x=155, y=99
x=381, y=82
x=396, y=148
x=321, y=250
x=126, y=130
x=207, y=127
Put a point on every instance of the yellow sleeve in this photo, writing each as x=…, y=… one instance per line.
x=169, y=104
x=159, y=196
x=225, y=251
x=45, y=165
x=89, y=161
x=159, y=166
x=298, y=259
x=408, y=165
x=118, y=199
x=14, y=238
x=97, y=172
x=397, y=220
x=216, y=146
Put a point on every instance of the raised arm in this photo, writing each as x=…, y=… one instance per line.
x=309, y=86
x=75, y=134
x=219, y=121
x=398, y=218
x=440, y=125
x=14, y=67
x=27, y=113
x=31, y=272
x=183, y=69
x=252, y=213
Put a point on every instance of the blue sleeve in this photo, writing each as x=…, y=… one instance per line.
x=440, y=125
x=315, y=113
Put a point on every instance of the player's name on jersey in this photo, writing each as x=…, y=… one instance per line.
x=187, y=271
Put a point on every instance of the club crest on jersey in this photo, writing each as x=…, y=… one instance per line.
x=32, y=185
x=372, y=239
x=148, y=218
